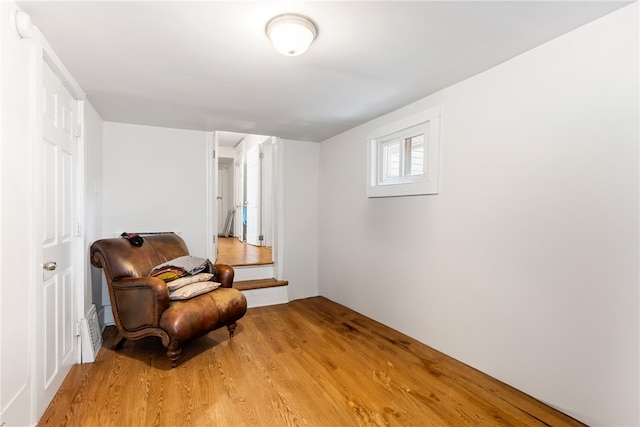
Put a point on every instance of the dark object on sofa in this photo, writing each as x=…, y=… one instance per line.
x=141, y=305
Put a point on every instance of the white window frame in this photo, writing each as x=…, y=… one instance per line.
x=426, y=122
x=401, y=139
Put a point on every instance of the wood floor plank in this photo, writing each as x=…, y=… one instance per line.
x=236, y=253
x=307, y=363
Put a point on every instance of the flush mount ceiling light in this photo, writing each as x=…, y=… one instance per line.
x=290, y=34
x=23, y=24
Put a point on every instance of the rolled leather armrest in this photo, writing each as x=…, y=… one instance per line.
x=225, y=275
x=140, y=301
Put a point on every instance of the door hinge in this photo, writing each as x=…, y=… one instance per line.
x=78, y=328
x=261, y=154
x=78, y=130
x=214, y=239
x=214, y=154
x=261, y=237
x=78, y=230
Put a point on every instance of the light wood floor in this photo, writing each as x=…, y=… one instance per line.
x=311, y=362
x=233, y=252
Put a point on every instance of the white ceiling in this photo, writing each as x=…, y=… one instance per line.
x=230, y=139
x=209, y=65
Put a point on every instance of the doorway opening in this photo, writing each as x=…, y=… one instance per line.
x=245, y=199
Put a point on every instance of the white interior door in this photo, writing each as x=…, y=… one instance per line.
x=56, y=341
x=240, y=199
x=253, y=200
x=222, y=198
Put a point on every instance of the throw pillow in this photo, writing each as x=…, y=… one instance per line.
x=184, y=281
x=193, y=290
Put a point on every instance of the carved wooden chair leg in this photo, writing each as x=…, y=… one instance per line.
x=174, y=355
x=232, y=329
x=118, y=342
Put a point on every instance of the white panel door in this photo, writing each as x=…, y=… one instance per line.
x=240, y=198
x=254, y=190
x=56, y=341
x=222, y=198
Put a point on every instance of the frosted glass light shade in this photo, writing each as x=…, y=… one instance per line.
x=23, y=24
x=291, y=35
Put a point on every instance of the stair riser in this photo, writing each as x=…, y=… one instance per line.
x=253, y=272
x=266, y=296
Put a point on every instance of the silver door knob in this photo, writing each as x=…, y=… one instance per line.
x=50, y=266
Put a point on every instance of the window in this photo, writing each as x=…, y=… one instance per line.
x=401, y=156
x=404, y=157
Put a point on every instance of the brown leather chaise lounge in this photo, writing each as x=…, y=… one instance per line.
x=141, y=305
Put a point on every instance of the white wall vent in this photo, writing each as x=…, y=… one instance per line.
x=91, y=336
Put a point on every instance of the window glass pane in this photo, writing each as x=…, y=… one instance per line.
x=391, y=160
x=415, y=150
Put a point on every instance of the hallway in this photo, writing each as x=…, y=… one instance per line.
x=236, y=253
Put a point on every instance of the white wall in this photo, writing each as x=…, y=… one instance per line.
x=154, y=180
x=525, y=266
x=16, y=271
x=300, y=261
x=228, y=152
x=93, y=131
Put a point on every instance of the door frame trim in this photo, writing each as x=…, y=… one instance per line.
x=278, y=201
x=211, y=187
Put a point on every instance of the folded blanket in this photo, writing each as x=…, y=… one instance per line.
x=190, y=264
x=182, y=266
x=187, y=280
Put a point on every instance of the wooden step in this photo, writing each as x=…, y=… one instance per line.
x=245, y=285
